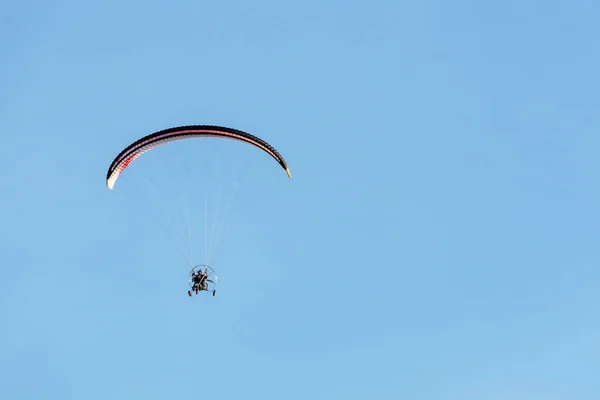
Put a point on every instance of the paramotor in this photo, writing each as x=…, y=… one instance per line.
x=174, y=193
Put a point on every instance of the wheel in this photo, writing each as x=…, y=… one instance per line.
x=214, y=292
x=190, y=293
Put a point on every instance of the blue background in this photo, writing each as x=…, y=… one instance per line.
x=439, y=239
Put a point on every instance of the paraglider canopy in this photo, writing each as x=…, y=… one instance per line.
x=153, y=140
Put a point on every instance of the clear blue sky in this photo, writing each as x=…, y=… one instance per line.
x=439, y=239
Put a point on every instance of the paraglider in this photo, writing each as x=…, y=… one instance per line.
x=202, y=277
